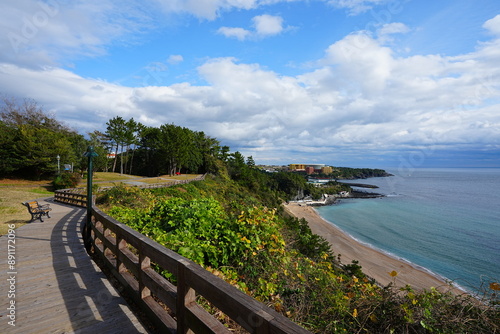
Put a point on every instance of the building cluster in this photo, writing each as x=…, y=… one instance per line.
x=311, y=168
x=307, y=168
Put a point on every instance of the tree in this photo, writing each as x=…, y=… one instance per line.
x=173, y=146
x=133, y=132
x=224, y=153
x=32, y=139
x=101, y=144
x=116, y=131
x=236, y=166
x=164, y=150
x=149, y=151
x=209, y=149
x=250, y=162
x=8, y=161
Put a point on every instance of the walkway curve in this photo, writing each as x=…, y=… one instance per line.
x=54, y=286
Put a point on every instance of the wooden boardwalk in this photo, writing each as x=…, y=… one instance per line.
x=55, y=285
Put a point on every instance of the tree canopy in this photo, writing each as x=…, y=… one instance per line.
x=32, y=139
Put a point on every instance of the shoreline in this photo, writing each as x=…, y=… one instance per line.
x=374, y=263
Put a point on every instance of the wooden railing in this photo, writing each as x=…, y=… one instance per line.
x=129, y=255
x=75, y=196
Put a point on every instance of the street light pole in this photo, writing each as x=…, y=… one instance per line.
x=58, y=165
x=90, y=154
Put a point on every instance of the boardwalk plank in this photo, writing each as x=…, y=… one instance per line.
x=58, y=288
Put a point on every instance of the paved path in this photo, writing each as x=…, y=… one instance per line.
x=54, y=284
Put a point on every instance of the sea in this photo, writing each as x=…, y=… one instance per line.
x=445, y=221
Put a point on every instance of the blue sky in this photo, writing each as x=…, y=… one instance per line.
x=375, y=83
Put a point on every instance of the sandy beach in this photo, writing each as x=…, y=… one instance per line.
x=374, y=263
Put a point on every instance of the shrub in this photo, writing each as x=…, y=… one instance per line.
x=121, y=195
x=66, y=180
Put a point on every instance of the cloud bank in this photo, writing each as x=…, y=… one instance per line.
x=360, y=101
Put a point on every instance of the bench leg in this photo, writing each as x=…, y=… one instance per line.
x=37, y=215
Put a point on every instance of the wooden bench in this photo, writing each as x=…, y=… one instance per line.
x=37, y=210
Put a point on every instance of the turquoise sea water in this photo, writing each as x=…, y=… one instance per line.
x=445, y=220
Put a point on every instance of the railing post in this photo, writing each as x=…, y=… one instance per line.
x=120, y=245
x=144, y=263
x=106, y=234
x=185, y=296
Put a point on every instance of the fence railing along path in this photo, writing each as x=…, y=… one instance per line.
x=131, y=257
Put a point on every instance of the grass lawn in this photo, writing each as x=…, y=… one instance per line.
x=11, y=197
x=110, y=179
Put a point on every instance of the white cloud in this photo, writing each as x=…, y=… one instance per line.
x=45, y=33
x=356, y=7
x=204, y=9
x=493, y=25
x=362, y=64
x=175, y=59
x=264, y=26
x=268, y=25
x=211, y=9
x=384, y=33
x=238, y=33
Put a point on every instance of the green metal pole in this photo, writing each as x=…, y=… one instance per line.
x=90, y=154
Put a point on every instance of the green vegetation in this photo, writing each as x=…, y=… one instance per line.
x=32, y=141
x=232, y=225
x=66, y=180
x=358, y=173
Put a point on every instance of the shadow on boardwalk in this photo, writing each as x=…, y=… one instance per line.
x=58, y=288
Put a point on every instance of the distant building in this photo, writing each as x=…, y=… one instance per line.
x=297, y=167
x=317, y=167
x=311, y=168
x=327, y=170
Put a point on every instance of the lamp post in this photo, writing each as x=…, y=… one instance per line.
x=58, y=165
x=90, y=154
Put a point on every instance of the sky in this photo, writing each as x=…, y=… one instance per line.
x=357, y=83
